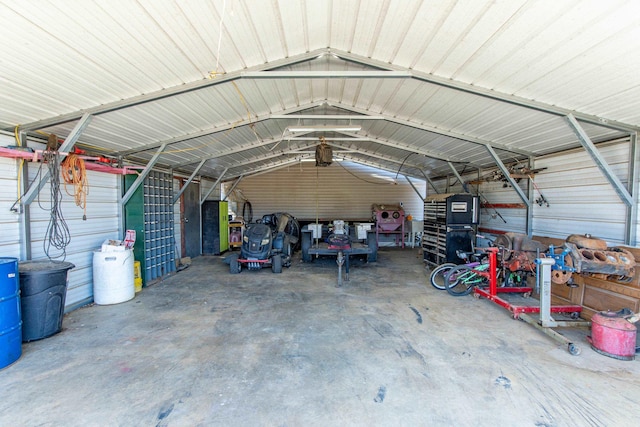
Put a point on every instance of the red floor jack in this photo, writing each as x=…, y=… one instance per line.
x=545, y=309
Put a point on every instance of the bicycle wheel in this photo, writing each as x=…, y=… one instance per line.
x=436, y=278
x=460, y=280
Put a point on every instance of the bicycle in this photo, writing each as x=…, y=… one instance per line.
x=461, y=280
x=436, y=278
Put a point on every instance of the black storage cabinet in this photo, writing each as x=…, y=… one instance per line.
x=449, y=225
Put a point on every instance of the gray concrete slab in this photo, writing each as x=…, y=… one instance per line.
x=206, y=348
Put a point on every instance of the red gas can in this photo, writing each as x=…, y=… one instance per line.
x=613, y=335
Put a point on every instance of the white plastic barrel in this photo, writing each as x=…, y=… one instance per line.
x=113, y=277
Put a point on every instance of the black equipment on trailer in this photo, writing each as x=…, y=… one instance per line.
x=339, y=245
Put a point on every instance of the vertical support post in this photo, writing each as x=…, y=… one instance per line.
x=631, y=223
x=529, y=219
x=544, y=284
x=25, y=213
x=493, y=271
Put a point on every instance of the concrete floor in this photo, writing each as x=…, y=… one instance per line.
x=206, y=348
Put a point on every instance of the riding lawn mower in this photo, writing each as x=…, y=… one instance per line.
x=269, y=242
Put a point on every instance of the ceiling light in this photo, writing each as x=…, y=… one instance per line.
x=325, y=128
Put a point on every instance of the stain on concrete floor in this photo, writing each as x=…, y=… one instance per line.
x=206, y=348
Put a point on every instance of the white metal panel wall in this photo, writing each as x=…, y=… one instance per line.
x=580, y=197
x=87, y=235
x=340, y=191
x=9, y=221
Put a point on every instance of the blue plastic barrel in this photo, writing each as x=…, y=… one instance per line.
x=10, y=319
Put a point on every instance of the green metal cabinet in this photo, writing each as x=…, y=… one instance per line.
x=215, y=227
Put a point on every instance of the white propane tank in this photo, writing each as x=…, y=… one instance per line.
x=113, y=277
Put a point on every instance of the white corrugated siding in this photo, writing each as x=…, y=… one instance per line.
x=86, y=236
x=580, y=197
x=332, y=192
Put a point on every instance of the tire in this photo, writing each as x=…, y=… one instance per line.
x=276, y=263
x=436, y=278
x=461, y=280
x=372, y=243
x=305, y=244
x=234, y=265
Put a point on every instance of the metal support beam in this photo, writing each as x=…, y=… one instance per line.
x=211, y=131
x=326, y=117
x=214, y=186
x=430, y=181
x=140, y=179
x=631, y=224
x=530, y=195
x=486, y=93
x=437, y=131
x=25, y=210
x=602, y=164
x=233, y=187
x=193, y=175
x=414, y=187
x=171, y=91
x=455, y=172
x=365, y=74
x=507, y=176
x=65, y=147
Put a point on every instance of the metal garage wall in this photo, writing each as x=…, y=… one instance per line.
x=9, y=221
x=340, y=191
x=580, y=197
x=581, y=200
x=86, y=236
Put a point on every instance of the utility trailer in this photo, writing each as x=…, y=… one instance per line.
x=340, y=246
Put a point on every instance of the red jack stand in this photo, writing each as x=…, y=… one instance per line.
x=520, y=311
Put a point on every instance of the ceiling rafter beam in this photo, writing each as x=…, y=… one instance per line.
x=273, y=166
x=140, y=179
x=168, y=92
x=326, y=117
x=211, y=131
x=488, y=93
x=507, y=176
x=365, y=74
x=269, y=156
x=371, y=164
x=602, y=164
x=376, y=156
x=436, y=130
x=186, y=184
x=407, y=148
x=215, y=184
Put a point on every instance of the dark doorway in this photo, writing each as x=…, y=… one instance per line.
x=191, y=220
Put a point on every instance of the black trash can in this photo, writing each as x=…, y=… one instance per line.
x=43, y=287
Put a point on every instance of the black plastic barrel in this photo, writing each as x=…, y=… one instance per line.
x=10, y=323
x=44, y=290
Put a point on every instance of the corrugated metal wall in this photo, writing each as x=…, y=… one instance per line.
x=86, y=236
x=581, y=200
x=344, y=190
x=9, y=221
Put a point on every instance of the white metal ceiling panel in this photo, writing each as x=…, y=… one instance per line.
x=66, y=57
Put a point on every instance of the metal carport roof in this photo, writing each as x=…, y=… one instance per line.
x=452, y=82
